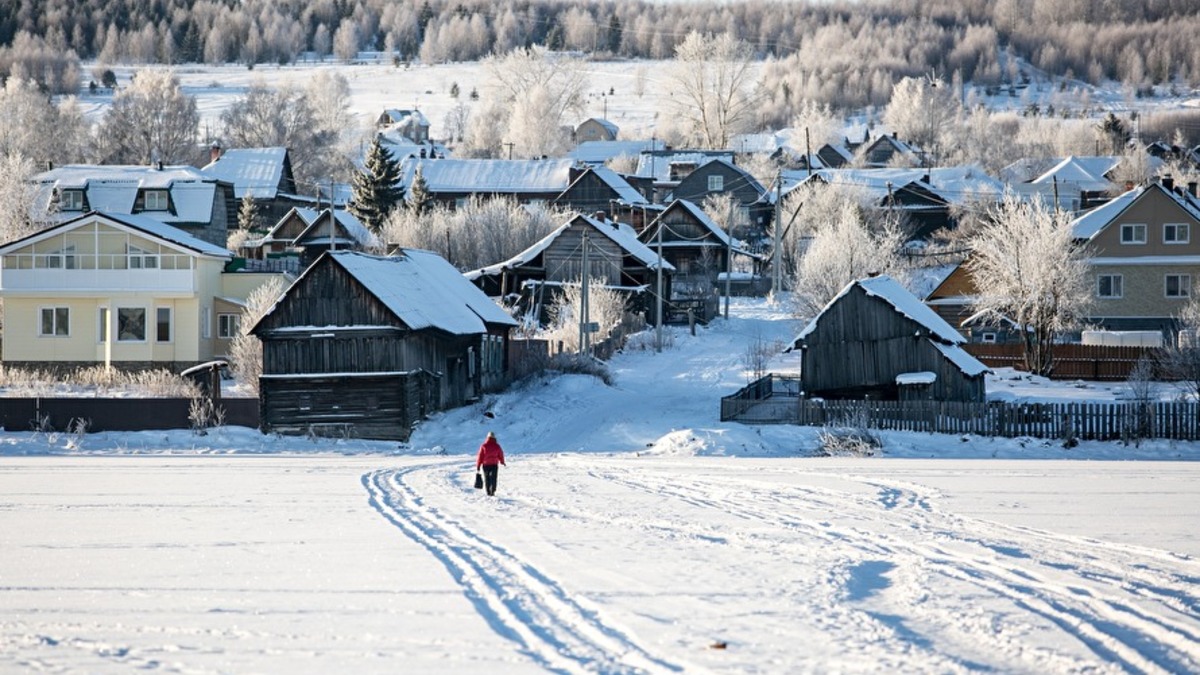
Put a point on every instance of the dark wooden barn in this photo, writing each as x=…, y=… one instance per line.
x=876, y=340
x=367, y=345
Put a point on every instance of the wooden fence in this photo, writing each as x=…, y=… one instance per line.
x=1071, y=361
x=776, y=400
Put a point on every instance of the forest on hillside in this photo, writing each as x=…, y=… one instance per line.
x=843, y=53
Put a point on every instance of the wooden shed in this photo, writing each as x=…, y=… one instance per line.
x=367, y=345
x=876, y=340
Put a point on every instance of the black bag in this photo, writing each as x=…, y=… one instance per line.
x=478, y=481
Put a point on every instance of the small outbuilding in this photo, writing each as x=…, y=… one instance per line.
x=876, y=340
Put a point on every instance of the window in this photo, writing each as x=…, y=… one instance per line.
x=1133, y=234
x=70, y=200
x=205, y=322
x=156, y=200
x=1178, y=285
x=228, y=326
x=162, y=326
x=131, y=324
x=56, y=322
x=63, y=258
x=1176, y=233
x=1109, y=286
x=140, y=259
x=716, y=183
x=988, y=338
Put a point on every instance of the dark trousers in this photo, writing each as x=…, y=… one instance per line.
x=490, y=473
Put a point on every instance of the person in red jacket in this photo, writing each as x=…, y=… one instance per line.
x=490, y=457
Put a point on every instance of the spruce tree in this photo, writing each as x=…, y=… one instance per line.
x=375, y=192
x=248, y=219
x=418, y=195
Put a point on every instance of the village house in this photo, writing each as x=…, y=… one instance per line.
x=876, y=340
x=263, y=175
x=752, y=216
x=367, y=345
x=452, y=182
x=595, y=129
x=120, y=290
x=301, y=236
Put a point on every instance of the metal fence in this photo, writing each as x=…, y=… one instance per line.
x=776, y=400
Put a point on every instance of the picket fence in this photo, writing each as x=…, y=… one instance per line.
x=775, y=400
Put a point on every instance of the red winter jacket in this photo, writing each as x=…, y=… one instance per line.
x=490, y=453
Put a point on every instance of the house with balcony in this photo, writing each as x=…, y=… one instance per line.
x=121, y=290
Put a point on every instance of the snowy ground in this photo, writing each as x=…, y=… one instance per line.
x=633, y=532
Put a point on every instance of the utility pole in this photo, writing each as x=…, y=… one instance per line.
x=776, y=273
x=658, y=299
x=808, y=150
x=583, y=301
x=728, y=254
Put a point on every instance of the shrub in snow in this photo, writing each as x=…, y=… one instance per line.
x=581, y=364
x=851, y=438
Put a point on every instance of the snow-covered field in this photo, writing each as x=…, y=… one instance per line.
x=632, y=532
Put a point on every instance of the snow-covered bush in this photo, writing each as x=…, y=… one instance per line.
x=853, y=437
x=581, y=364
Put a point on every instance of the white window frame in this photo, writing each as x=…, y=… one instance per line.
x=1133, y=228
x=716, y=183
x=54, y=321
x=1119, y=285
x=1181, y=233
x=70, y=200
x=1183, y=283
x=228, y=324
x=156, y=200
x=158, y=312
x=988, y=338
x=140, y=259
x=145, y=328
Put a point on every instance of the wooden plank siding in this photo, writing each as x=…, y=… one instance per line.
x=382, y=406
x=1073, y=361
x=767, y=401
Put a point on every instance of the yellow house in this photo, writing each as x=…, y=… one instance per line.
x=117, y=289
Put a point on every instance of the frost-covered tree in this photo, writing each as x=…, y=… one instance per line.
x=1113, y=134
x=814, y=125
x=712, y=88
x=1027, y=268
x=531, y=99
x=248, y=216
x=151, y=120
x=418, y=197
x=1181, y=360
x=605, y=307
x=265, y=117
x=245, y=350
x=33, y=127
x=840, y=252
x=922, y=111
x=375, y=191
x=18, y=198
x=808, y=209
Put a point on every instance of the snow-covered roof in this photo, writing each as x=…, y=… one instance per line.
x=657, y=165
x=919, y=377
x=359, y=234
x=1086, y=172
x=551, y=176
x=402, y=117
x=759, y=143
x=1090, y=224
x=599, y=152
x=115, y=188
x=889, y=290
x=626, y=193
x=608, y=126
x=401, y=148
x=256, y=172
x=144, y=224
x=621, y=234
x=954, y=184
x=424, y=291
x=969, y=365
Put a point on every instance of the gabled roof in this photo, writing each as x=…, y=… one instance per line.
x=256, y=172
x=1090, y=224
x=954, y=184
x=145, y=225
x=357, y=234
x=625, y=192
x=904, y=302
x=657, y=165
x=599, y=152
x=727, y=162
x=490, y=175
x=420, y=289
x=621, y=234
x=1089, y=173
x=402, y=117
x=611, y=128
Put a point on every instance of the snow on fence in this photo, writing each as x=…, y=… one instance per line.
x=776, y=400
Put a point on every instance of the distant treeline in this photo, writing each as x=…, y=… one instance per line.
x=844, y=53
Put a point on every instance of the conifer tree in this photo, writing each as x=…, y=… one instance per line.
x=418, y=195
x=248, y=219
x=375, y=192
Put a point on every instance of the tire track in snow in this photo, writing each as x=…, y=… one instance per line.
x=519, y=602
x=1086, y=596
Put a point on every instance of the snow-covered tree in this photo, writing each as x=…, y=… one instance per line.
x=1181, y=360
x=1027, y=268
x=605, y=307
x=248, y=216
x=375, y=193
x=18, y=197
x=814, y=125
x=808, y=209
x=418, y=197
x=712, y=89
x=531, y=98
x=36, y=129
x=245, y=350
x=151, y=120
x=840, y=252
x=922, y=111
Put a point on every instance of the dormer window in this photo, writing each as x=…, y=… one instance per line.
x=70, y=200
x=155, y=200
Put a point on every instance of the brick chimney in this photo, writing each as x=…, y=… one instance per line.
x=214, y=152
x=1168, y=182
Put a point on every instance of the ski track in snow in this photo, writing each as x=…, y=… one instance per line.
x=1130, y=614
x=558, y=631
